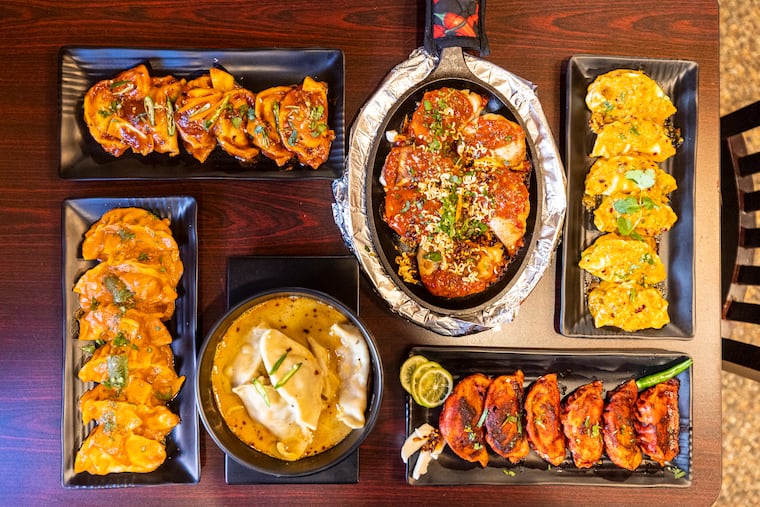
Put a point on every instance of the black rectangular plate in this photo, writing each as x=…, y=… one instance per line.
x=337, y=276
x=573, y=369
x=678, y=78
x=182, y=465
x=82, y=158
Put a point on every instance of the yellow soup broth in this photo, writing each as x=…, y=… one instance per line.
x=300, y=318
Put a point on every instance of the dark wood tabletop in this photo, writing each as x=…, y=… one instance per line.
x=531, y=38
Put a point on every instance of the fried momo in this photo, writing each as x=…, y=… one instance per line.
x=542, y=419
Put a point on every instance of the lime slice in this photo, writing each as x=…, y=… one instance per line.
x=417, y=375
x=407, y=370
x=433, y=386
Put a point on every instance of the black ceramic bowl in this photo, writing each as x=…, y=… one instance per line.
x=386, y=241
x=246, y=455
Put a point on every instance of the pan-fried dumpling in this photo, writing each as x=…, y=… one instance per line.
x=302, y=123
x=264, y=129
x=615, y=175
x=634, y=137
x=275, y=413
x=624, y=93
x=114, y=111
x=295, y=374
x=492, y=140
x=106, y=452
x=619, y=259
x=354, y=372
x=628, y=305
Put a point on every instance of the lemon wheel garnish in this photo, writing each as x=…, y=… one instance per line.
x=426, y=381
x=433, y=386
x=408, y=369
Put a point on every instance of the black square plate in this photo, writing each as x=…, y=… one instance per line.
x=82, y=158
x=678, y=78
x=337, y=276
x=573, y=369
x=182, y=465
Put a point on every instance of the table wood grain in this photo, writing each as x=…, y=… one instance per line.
x=532, y=38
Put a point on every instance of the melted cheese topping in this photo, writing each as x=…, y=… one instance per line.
x=619, y=259
x=608, y=176
x=633, y=137
x=628, y=305
x=625, y=93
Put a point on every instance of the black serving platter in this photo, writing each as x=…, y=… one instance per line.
x=182, y=465
x=573, y=369
x=679, y=79
x=82, y=158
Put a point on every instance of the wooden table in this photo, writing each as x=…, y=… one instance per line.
x=532, y=38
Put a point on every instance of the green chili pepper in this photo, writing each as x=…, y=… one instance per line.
x=288, y=376
x=170, y=125
x=205, y=107
x=276, y=365
x=260, y=389
x=482, y=418
x=150, y=110
x=656, y=378
x=218, y=112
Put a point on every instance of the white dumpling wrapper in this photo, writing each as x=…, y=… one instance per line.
x=248, y=360
x=353, y=369
x=332, y=381
x=277, y=417
x=303, y=390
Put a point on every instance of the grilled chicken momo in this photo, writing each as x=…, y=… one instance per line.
x=460, y=420
x=581, y=418
x=456, y=193
x=542, y=419
x=505, y=429
x=657, y=421
x=618, y=428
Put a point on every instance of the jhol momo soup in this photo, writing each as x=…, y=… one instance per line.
x=290, y=377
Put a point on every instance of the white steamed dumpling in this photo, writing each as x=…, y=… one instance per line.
x=353, y=369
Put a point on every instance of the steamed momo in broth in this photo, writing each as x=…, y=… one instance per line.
x=290, y=377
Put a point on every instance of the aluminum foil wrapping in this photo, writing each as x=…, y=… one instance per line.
x=352, y=215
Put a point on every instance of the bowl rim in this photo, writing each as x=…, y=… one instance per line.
x=249, y=457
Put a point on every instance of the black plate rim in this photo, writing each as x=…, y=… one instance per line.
x=574, y=319
x=230, y=168
x=188, y=469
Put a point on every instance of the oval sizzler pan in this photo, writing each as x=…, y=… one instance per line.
x=359, y=194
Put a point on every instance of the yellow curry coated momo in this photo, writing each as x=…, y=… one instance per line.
x=290, y=377
x=628, y=193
